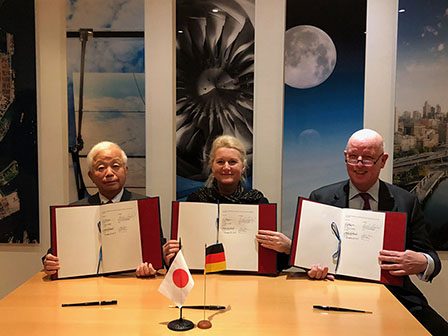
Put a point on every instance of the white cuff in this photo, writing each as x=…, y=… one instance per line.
x=429, y=268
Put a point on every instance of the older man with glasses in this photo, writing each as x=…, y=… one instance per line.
x=364, y=158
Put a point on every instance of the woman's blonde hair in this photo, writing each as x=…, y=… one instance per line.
x=226, y=141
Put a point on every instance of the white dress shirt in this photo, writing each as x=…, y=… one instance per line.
x=116, y=199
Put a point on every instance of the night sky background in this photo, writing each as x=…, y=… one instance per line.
x=318, y=121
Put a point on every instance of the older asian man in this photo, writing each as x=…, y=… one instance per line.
x=108, y=170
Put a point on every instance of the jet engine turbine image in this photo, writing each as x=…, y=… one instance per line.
x=215, y=79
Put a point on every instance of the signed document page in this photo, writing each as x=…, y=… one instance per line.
x=120, y=236
x=362, y=234
x=347, y=241
x=238, y=225
x=97, y=239
x=237, y=230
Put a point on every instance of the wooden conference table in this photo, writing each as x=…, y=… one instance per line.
x=256, y=305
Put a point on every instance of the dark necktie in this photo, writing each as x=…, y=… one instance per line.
x=365, y=197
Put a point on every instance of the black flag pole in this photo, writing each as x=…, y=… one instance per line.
x=180, y=324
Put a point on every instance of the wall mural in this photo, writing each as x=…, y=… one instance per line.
x=421, y=111
x=324, y=94
x=114, y=84
x=19, y=197
x=215, y=77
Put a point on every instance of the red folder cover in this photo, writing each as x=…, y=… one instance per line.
x=393, y=239
x=267, y=220
x=150, y=232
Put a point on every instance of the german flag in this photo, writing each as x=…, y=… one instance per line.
x=215, y=259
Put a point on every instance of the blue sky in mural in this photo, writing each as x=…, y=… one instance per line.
x=422, y=56
x=114, y=83
x=115, y=66
x=319, y=120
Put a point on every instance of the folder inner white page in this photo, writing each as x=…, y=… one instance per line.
x=78, y=240
x=237, y=229
x=362, y=234
x=316, y=241
x=238, y=224
x=196, y=227
x=120, y=228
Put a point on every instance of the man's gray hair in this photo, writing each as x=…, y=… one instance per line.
x=103, y=145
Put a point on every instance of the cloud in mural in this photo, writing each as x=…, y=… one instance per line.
x=114, y=104
x=111, y=92
x=112, y=15
x=310, y=56
x=114, y=109
x=108, y=55
x=103, y=54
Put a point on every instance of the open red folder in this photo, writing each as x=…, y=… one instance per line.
x=347, y=241
x=108, y=238
x=197, y=225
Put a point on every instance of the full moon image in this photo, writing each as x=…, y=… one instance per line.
x=309, y=137
x=310, y=56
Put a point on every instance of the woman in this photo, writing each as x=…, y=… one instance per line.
x=227, y=165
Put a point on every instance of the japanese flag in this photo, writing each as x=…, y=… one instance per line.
x=178, y=281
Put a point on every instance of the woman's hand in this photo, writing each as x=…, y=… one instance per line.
x=273, y=240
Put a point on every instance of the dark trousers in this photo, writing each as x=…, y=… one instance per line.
x=431, y=320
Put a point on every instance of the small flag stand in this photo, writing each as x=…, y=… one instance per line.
x=215, y=261
x=176, y=286
x=180, y=324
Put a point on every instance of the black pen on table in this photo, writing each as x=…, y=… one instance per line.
x=340, y=309
x=90, y=303
x=211, y=307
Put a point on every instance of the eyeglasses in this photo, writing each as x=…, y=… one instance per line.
x=353, y=160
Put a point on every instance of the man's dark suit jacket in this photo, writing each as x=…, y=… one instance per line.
x=395, y=199
x=95, y=198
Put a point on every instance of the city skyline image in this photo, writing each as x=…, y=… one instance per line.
x=422, y=54
x=421, y=111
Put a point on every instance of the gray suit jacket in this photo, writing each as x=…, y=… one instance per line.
x=395, y=199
